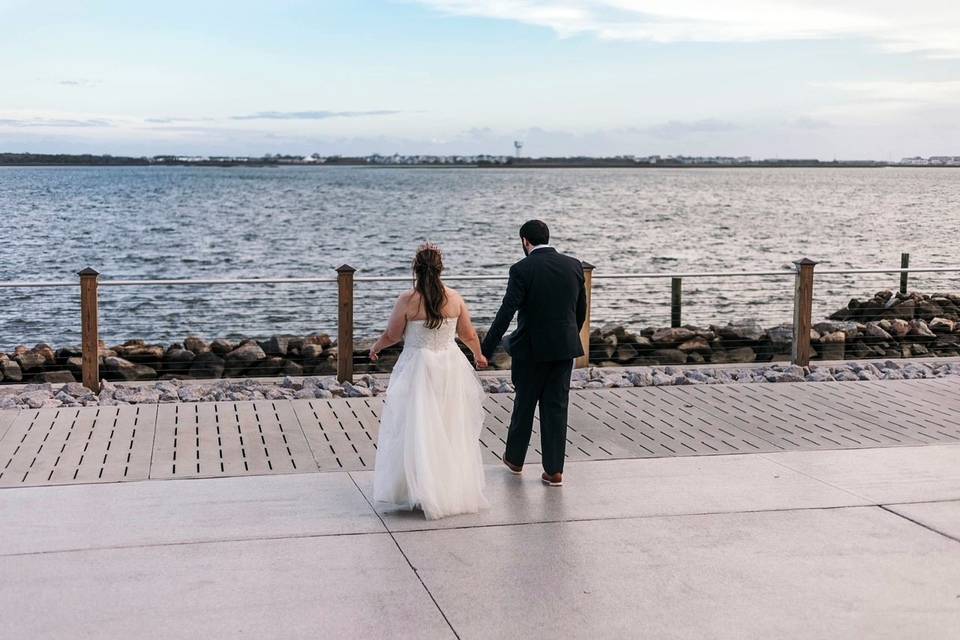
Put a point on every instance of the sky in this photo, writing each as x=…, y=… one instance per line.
x=846, y=79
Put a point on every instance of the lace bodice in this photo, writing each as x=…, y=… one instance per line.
x=418, y=336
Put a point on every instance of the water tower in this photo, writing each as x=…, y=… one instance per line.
x=518, y=145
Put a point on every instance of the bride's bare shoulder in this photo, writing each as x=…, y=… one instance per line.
x=407, y=297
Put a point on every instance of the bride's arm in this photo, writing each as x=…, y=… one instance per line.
x=467, y=333
x=395, y=327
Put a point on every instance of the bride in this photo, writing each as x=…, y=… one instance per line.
x=428, y=454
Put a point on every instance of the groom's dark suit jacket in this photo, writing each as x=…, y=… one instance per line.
x=546, y=291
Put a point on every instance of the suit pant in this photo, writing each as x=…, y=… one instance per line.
x=546, y=384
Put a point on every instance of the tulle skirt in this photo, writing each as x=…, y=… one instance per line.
x=428, y=454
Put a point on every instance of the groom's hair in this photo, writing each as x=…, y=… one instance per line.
x=535, y=232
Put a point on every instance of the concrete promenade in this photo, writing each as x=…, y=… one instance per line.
x=809, y=540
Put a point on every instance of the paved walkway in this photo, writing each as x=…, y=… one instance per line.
x=109, y=444
x=803, y=544
x=810, y=536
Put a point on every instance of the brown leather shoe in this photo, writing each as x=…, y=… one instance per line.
x=514, y=469
x=552, y=480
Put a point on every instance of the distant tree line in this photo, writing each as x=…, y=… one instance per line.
x=68, y=159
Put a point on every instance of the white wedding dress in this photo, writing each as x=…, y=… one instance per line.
x=428, y=454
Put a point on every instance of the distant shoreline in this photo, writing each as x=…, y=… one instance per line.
x=521, y=165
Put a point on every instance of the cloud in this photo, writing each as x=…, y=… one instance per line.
x=920, y=92
x=78, y=82
x=313, y=115
x=883, y=100
x=926, y=26
x=808, y=123
x=677, y=128
x=52, y=122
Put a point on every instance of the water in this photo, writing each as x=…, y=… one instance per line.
x=176, y=222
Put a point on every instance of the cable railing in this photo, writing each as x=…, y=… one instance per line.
x=635, y=319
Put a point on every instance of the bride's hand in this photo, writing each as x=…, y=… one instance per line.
x=481, y=361
x=374, y=356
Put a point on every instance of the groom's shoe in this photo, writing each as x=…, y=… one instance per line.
x=514, y=469
x=552, y=479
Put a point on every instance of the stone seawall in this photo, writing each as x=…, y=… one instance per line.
x=884, y=326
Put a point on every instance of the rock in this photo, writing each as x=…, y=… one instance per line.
x=34, y=399
x=207, y=365
x=307, y=393
x=222, y=346
x=277, y=345
x=321, y=339
x=899, y=327
x=670, y=356
x=741, y=331
x=355, y=391
x=696, y=343
x=737, y=355
x=76, y=390
x=268, y=367
x=819, y=376
x=947, y=340
x=661, y=379
x=904, y=310
x=31, y=361
x=195, y=344
x=11, y=370
x=874, y=330
x=942, y=325
x=190, y=393
x=7, y=402
x=325, y=366
x=615, y=381
x=919, y=329
x=640, y=342
x=178, y=361
x=291, y=368
x=168, y=390
x=672, y=336
x=55, y=377
x=835, y=337
x=781, y=337
x=136, y=395
x=927, y=310
x=126, y=370
x=46, y=351
x=857, y=350
x=311, y=353
x=278, y=393
x=640, y=378
x=141, y=353
x=625, y=353
x=242, y=358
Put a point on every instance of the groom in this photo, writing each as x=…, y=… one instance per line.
x=546, y=291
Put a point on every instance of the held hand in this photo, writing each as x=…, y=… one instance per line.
x=481, y=361
x=374, y=356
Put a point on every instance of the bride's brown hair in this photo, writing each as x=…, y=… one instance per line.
x=427, y=266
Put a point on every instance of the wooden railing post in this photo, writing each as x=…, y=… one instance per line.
x=345, y=323
x=89, y=329
x=676, y=296
x=584, y=360
x=904, y=275
x=803, y=312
